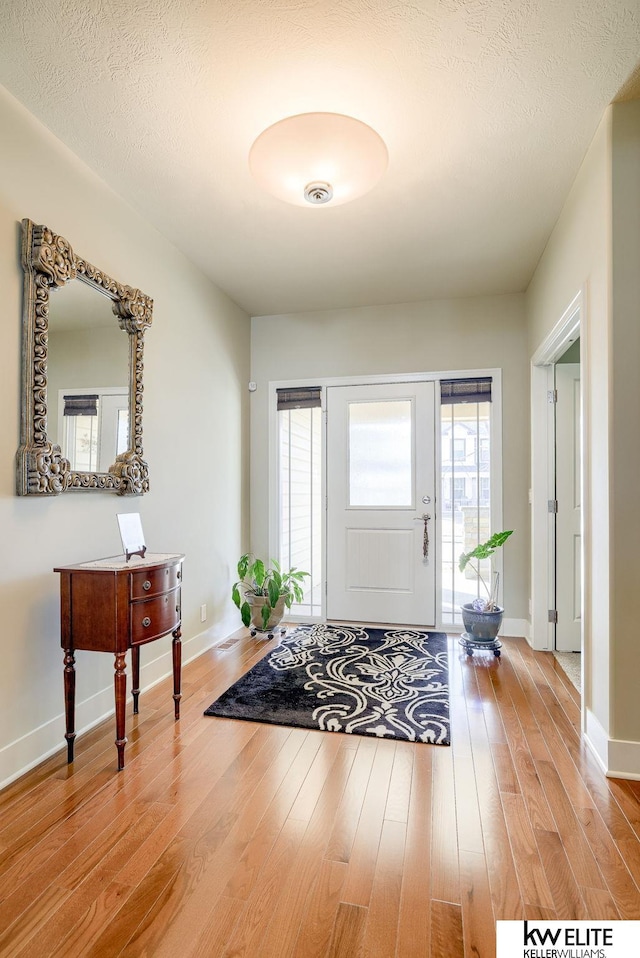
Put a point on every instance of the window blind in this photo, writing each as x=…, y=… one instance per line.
x=81, y=405
x=454, y=391
x=304, y=398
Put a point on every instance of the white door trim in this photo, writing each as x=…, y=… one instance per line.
x=323, y=382
x=571, y=324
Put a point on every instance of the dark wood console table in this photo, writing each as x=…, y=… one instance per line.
x=113, y=605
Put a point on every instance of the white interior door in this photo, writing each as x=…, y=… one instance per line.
x=380, y=486
x=568, y=495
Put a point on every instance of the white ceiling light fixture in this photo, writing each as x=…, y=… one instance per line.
x=318, y=158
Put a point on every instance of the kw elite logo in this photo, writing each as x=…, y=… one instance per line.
x=567, y=939
x=542, y=941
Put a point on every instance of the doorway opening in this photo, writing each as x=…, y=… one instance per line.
x=568, y=502
x=378, y=485
x=559, y=487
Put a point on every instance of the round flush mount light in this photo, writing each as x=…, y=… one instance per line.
x=318, y=193
x=318, y=159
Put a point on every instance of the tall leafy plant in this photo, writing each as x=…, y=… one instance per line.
x=484, y=551
x=270, y=581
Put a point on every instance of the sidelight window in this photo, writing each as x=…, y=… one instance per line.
x=465, y=434
x=300, y=491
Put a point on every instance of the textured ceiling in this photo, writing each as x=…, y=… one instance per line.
x=486, y=106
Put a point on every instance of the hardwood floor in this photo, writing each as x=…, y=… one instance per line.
x=223, y=839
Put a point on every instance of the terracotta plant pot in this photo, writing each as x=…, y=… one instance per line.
x=482, y=626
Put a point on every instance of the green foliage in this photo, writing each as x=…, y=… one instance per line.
x=269, y=581
x=245, y=612
x=485, y=549
x=243, y=565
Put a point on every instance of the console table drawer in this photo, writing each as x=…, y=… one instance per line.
x=154, y=581
x=155, y=617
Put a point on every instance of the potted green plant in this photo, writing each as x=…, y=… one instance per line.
x=482, y=618
x=263, y=591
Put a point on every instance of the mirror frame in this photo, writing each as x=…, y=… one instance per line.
x=49, y=263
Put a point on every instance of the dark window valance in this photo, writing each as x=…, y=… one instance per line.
x=80, y=405
x=303, y=398
x=465, y=390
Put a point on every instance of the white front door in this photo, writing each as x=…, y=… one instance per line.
x=381, y=557
x=568, y=485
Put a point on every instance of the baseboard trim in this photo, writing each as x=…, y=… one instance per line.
x=24, y=753
x=624, y=760
x=596, y=738
x=516, y=628
x=617, y=758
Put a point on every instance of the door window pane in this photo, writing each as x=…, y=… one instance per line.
x=381, y=453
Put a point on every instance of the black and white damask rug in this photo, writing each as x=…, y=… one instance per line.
x=387, y=683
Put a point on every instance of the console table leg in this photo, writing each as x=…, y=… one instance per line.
x=120, y=686
x=177, y=668
x=70, y=700
x=135, y=675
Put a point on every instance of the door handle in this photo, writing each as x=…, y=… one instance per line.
x=425, y=517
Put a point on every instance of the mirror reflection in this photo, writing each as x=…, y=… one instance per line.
x=82, y=374
x=88, y=377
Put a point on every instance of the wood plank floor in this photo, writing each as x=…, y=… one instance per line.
x=223, y=839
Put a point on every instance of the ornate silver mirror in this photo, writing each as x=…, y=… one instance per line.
x=82, y=374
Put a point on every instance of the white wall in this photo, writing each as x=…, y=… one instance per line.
x=625, y=411
x=417, y=337
x=595, y=246
x=195, y=411
x=577, y=257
